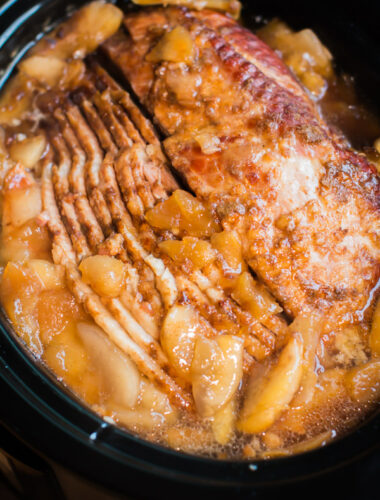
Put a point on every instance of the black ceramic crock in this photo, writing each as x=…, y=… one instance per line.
x=44, y=429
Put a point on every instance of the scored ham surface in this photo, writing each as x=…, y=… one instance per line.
x=252, y=145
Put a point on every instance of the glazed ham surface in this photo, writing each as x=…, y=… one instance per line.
x=251, y=144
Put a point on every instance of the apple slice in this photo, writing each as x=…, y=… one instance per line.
x=175, y=46
x=28, y=151
x=120, y=373
x=82, y=33
x=21, y=198
x=216, y=371
x=223, y=423
x=51, y=276
x=105, y=274
x=154, y=400
x=180, y=329
x=363, y=382
x=309, y=328
x=46, y=70
x=268, y=396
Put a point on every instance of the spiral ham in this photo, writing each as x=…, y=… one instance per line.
x=306, y=207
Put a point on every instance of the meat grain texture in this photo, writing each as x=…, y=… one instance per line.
x=305, y=206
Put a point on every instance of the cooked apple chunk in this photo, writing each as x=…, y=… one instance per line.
x=303, y=52
x=197, y=251
x=51, y=276
x=182, y=213
x=363, y=382
x=29, y=241
x=174, y=46
x=254, y=297
x=120, y=374
x=28, y=151
x=15, y=99
x=21, y=198
x=82, y=33
x=223, y=423
x=216, y=372
x=19, y=292
x=180, y=329
x=46, y=70
x=105, y=274
x=67, y=357
x=269, y=396
x=229, y=246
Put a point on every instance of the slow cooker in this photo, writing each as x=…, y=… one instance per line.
x=53, y=447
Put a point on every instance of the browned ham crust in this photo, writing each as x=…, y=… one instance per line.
x=306, y=207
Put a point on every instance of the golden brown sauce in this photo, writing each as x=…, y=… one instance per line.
x=342, y=109
x=260, y=387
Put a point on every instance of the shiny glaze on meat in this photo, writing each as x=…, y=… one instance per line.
x=305, y=205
